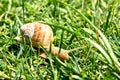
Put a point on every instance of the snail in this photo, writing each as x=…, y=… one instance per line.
x=40, y=33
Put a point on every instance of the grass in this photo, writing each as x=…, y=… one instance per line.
x=93, y=25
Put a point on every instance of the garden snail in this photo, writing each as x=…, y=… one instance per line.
x=40, y=33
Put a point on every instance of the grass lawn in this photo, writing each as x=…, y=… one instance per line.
x=92, y=25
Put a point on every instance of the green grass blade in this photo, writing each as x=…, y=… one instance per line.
x=101, y=50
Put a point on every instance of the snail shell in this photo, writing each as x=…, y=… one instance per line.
x=38, y=32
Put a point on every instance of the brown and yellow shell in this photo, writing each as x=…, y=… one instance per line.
x=42, y=33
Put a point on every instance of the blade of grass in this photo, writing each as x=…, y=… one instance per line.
x=61, y=40
x=101, y=50
x=20, y=52
x=3, y=75
x=23, y=11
